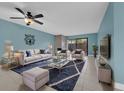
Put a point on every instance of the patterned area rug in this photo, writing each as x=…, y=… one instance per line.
x=21, y=69
x=63, y=79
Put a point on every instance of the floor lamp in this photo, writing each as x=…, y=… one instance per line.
x=50, y=47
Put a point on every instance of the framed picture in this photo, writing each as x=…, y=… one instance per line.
x=29, y=39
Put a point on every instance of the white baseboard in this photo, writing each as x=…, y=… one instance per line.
x=118, y=86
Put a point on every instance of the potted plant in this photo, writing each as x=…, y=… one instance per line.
x=95, y=48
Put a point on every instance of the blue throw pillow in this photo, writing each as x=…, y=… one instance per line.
x=28, y=53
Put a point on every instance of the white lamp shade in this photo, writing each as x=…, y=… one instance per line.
x=50, y=46
x=12, y=48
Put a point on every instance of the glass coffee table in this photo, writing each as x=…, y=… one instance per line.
x=57, y=63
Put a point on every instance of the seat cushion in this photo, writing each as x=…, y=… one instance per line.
x=45, y=55
x=31, y=58
x=78, y=55
x=35, y=74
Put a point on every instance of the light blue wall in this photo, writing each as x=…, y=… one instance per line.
x=92, y=39
x=119, y=42
x=113, y=23
x=107, y=27
x=16, y=34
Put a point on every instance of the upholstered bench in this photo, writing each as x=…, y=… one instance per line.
x=35, y=77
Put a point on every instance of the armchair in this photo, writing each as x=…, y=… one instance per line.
x=78, y=54
x=64, y=54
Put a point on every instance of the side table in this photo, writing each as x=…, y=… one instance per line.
x=9, y=63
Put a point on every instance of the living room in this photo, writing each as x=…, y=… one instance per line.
x=61, y=46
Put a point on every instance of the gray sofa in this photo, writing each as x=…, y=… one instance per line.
x=35, y=56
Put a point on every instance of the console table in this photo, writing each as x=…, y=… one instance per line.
x=104, y=72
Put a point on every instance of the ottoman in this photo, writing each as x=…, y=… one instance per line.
x=35, y=77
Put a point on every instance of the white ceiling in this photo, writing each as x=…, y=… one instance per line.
x=59, y=18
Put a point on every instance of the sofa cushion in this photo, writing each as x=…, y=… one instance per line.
x=78, y=55
x=31, y=58
x=37, y=51
x=45, y=55
x=35, y=74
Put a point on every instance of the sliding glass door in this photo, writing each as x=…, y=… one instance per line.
x=71, y=45
x=78, y=43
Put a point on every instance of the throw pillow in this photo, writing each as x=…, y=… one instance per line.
x=47, y=51
x=28, y=53
x=59, y=49
x=31, y=51
x=77, y=52
x=63, y=51
x=42, y=51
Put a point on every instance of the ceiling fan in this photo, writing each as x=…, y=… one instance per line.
x=28, y=17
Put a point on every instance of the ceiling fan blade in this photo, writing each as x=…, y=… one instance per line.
x=16, y=18
x=38, y=22
x=20, y=11
x=38, y=16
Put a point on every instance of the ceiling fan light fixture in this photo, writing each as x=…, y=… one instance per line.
x=28, y=18
x=28, y=21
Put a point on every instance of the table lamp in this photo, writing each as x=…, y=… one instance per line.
x=9, y=48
